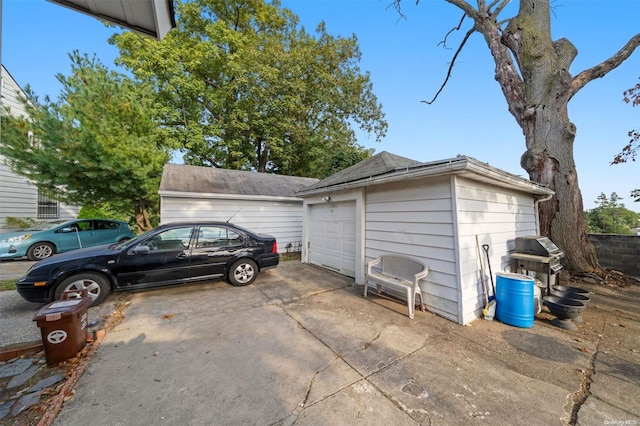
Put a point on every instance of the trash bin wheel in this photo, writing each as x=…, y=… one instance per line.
x=96, y=285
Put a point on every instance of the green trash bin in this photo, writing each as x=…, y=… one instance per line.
x=63, y=325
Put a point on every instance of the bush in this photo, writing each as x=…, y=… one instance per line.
x=20, y=222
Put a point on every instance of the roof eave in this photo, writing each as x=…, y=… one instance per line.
x=211, y=195
x=459, y=166
x=153, y=18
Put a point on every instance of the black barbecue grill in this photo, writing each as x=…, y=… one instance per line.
x=538, y=254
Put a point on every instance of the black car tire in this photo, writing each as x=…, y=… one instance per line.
x=97, y=286
x=243, y=272
x=40, y=251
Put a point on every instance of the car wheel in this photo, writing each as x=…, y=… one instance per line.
x=40, y=251
x=96, y=285
x=243, y=272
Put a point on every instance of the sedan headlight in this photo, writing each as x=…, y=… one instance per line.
x=17, y=238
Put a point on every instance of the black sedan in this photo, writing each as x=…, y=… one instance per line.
x=170, y=254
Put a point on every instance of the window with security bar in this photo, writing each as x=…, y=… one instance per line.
x=48, y=204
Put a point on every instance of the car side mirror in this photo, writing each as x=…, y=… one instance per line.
x=69, y=229
x=141, y=250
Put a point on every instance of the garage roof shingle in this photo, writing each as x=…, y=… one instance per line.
x=377, y=165
x=209, y=180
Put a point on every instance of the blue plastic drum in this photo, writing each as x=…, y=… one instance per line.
x=514, y=299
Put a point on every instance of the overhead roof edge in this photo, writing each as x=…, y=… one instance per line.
x=459, y=165
x=153, y=18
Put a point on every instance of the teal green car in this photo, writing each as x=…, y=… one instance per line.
x=49, y=238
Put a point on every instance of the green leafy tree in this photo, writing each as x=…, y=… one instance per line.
x=243, y=87
x=98, y=143
x=611, y=216
x=107, y=210
x=533, y=72
x=343, y=158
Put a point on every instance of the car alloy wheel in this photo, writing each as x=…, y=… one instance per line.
x=243, y=272
x=40, y=251
x=96, y=286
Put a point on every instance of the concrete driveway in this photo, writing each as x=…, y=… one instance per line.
x=302, y=346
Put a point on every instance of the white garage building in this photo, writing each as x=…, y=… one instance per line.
x=429, y=211
x=261, y=202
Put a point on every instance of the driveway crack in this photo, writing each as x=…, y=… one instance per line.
x=293, y=416
x=580, y=397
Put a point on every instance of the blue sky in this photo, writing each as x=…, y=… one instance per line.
x=407, y=66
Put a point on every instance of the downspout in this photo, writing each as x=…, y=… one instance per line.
x=536, y=212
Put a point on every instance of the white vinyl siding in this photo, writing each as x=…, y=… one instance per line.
x=435, y=219
x=18, y=197
x=414, y=218
x=496, y=215
x=280, y=218
x=10, y=95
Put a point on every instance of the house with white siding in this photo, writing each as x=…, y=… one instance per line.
x=18, y=197
x=436, y=212
x=261, y=202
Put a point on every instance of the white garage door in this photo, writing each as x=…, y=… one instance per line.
x=333, y=237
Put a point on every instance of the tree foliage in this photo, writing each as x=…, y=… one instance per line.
x=611, y=216
x=629, y=152
x=98, y=143
x=244, y=87
x=532, y=70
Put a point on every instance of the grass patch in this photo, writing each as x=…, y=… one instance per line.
x=290, y=256
x=7, y=285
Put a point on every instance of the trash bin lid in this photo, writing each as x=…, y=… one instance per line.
x=59, y=308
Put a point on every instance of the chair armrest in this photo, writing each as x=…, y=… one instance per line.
x=421, y=275
x=373, y=263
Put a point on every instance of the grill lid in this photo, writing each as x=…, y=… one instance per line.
x=538, y=246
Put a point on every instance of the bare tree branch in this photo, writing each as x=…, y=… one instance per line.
x=396, y=5
x=603, y=68
x=502, y=5
x=466, y=7
x=457, y=28
x=451, y=65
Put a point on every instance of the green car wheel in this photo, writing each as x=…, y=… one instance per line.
x=40, y=251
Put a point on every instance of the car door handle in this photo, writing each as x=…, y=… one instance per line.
x=182, y=255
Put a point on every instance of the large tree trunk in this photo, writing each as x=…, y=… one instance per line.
x=538, y=99
x=537, y=88
x=549, y=134
x=142, y=217
x=549, y=161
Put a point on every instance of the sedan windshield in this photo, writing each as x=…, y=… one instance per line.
x=124, y=243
